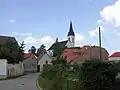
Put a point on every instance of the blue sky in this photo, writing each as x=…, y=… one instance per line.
x=41, y=21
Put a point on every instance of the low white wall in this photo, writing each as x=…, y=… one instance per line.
x=115, y=59
x=3, y=68
x=15, y=69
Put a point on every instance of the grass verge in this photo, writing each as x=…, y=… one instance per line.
x=44, y=84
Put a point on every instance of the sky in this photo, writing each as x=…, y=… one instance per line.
x=39, y=22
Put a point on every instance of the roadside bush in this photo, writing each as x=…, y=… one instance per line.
x=45, y=84
x=97, y=75
x=49, y=71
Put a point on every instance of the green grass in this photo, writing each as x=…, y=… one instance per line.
x=44, y=83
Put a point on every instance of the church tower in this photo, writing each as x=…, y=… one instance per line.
x=71, y=37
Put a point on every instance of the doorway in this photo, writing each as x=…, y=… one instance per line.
x=38, y=68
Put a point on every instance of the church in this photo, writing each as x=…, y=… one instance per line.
x=70, y=42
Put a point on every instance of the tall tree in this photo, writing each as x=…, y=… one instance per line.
x=33, y=49
x=21, y=52
x=41, y=50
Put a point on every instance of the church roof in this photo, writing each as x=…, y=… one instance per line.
x=58, y=45
x=71, y=32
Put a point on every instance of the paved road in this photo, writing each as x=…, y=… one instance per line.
x=27, y=82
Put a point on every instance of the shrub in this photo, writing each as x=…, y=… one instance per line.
x=97, y=75
x=49, y=71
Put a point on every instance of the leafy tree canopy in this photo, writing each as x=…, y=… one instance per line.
x=41, y=50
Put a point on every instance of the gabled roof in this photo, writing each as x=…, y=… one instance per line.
x=75, y=54
x=116, y=54
x=4, y=39
x=28, y=55
x=71, y=54
x=58, y=45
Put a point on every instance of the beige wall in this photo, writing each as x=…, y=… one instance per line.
x=30, y=64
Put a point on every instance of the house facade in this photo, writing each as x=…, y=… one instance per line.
x=84, y=53
x=30, y=63
x=43, y=59
x=70, y=42
x=91, y=53
x=70, y=54
x=115, y=57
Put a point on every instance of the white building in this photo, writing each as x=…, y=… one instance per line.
x=3, y=68
x=115, y=57
x=68, y=43
x=42, y=59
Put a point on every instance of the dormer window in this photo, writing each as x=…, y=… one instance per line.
x=65, y=57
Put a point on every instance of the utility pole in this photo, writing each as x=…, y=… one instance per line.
x=100, y=44
x=90, y=51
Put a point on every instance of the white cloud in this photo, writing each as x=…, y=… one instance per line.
x=11, y=21
x=94, y=32
x=79, y=37
x=21, y=34
x=37, y=41
x=99, y=21
x=30, y=40
x=111, y=14
x=47, y=39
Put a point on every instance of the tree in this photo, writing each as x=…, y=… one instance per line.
x=97, y=75
x=41, y=50
x=58, y=51
x=21, y=52
x=32, y=50
x=10, y=52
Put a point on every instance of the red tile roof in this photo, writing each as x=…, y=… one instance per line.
x=27, y=55
x=116, y=54
x=72, y=53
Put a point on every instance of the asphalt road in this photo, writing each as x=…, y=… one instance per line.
x=27, y=82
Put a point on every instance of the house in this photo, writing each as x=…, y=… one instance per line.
x=84, y=53
x=8, y=46
x=115, y=57
x=70, y=42
x=70, y=54
x=30, y=63
x=9, y=50
x=43, y=59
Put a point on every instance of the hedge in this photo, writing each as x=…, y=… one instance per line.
x=46, y=84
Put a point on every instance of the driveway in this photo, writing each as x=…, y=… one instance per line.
x=27, y=82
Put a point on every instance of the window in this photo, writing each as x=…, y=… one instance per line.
x=33, y=65
x=65, y=57
x=72, y=39
x=79, y=53
x=68, y=39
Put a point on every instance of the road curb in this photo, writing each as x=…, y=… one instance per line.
x=38, y=86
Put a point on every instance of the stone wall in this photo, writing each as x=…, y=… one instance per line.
x=15, y=69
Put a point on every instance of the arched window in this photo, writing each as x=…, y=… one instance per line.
x=72, y=39
x=68, y=39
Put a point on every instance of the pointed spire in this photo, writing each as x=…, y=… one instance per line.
x=71, y=32
x=56, y=40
